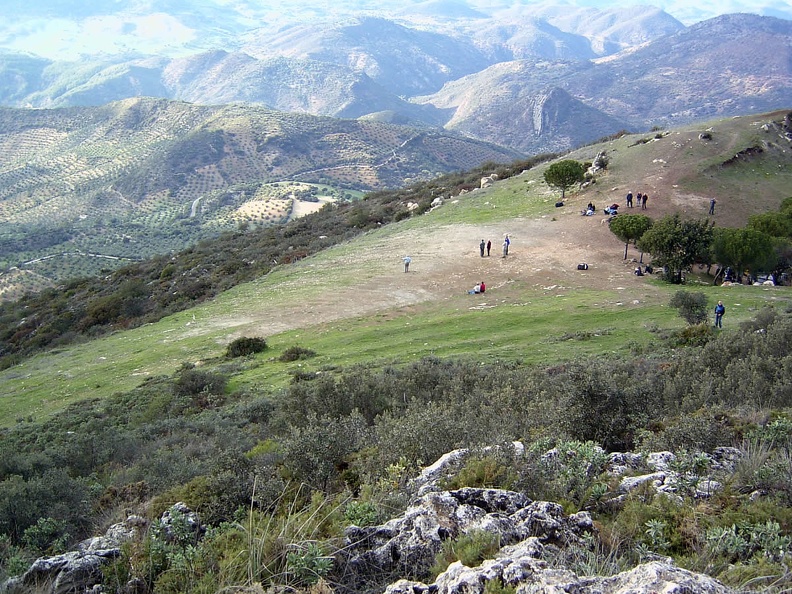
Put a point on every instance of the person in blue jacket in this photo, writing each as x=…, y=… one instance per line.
x=719, y=311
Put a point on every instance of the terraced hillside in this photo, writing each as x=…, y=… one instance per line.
x=85, y=189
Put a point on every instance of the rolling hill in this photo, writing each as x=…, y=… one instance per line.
x=363, y=372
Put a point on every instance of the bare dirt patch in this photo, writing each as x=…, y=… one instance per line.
x=446, y=262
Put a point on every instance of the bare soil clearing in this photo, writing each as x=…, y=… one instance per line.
x=446, y=263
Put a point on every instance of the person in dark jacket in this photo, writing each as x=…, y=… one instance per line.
x=720, y=309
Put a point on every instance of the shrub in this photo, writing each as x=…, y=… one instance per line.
x=295, y=353
x=692, y=306
x=571, y=469
x=47, y=536
x=194, y=382
x=307, y=564
x=317, y=453
x=740, y=542
x=14, y=560
x=361, y=513
x=484, y=471
x=701, y=431
x=692, y=336
x=241, y=347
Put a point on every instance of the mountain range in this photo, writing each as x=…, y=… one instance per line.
x=531, y=78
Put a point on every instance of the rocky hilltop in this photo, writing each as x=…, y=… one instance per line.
x=531, y=538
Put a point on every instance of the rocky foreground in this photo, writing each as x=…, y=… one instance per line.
x=407, y=545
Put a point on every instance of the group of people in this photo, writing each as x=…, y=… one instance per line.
x=479, y=288
x=484, y=247
x=487, y=246
x=640, y=200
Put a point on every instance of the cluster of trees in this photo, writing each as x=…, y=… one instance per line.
x=764, y=246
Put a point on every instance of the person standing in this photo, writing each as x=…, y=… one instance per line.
x=720, y=309
x=489, y=247
x=712, y=206
x=507, y=241
x=482, y=247
x=643, y=201
x=629, y=199
x=505, y=247
x=407, y=261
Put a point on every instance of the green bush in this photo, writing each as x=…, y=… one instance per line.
x=307, y=564
x=692, y=306
x=317, y=453
x=693, y=335
x=570, y=470
x=46, y=537
x=483, y=471
x=699, y=431
x=241, y=347
x=14, y=560
x=195, y=382
x=295, y=353
x=361, y=513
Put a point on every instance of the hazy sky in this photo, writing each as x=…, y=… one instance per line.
x=59, y=30
x=693, y=11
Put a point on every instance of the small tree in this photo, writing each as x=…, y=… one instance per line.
x=564, y=174
x=630, y=227
x=692, y=306
x=676, y=244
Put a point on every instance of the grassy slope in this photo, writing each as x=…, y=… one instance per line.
x=342, y=303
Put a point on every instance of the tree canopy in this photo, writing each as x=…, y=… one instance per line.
x=564, y=174
x=744, y=249
x=630, y=227
x=776, y=224
x=676, y=244
x=692, y=306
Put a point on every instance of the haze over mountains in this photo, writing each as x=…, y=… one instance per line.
x=532, y=77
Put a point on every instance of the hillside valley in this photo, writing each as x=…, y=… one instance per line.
x=124, y=155
x=679, y=171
